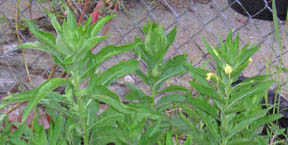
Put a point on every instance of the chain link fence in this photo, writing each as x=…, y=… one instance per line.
x=195, y=19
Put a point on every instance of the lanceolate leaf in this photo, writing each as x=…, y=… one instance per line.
x=55, y=132
x=18, y=97
x=33, y=45
x=107, y=119
x=204, y=106
x=246, y=92
x=210, y=92
x=174, y=88
x=276, y=24
x=168, y=100
x=71, y=20
x=136, y=93
x=171, y=36
x=173, y=67
x=46, y=38
x=90, y=43
x=244, y=56
x=169, y=139
x=110, y=51
x=116, y=71
x=105, y=54
x=198, y=74
x=265, y=120
x=100, y=24
x=243, y=124
x=54, y=22
x=43, y=90
x=212, y=126
x=103, y=94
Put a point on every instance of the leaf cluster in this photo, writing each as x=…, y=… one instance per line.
x=222, y=112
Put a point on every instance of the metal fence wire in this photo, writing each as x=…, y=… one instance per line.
x=195, y=19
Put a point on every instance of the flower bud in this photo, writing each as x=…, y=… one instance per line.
x=210, y=75
x=228, y=69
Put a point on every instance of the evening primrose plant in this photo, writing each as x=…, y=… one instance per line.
x=78, y=106
x=225, y=112
x=150, y=122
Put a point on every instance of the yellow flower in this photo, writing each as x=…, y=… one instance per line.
x=210, y=75
x=228, y=69
x=250, y=60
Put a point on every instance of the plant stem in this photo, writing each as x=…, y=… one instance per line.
x=81, y=112
x=83, y=120
x=153, y=95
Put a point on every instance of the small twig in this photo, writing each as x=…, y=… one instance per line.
x=19, y=41
x=80, y=2
x=52, y=71
x=13, y=108
x=83, y=12
x=30, y=8
x=272, y=139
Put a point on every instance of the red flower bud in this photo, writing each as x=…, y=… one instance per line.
x=95, y=17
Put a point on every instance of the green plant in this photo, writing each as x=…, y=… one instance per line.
x=78, y=106
x=225, y=113
x=149, y=122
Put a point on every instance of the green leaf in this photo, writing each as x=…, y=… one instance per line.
x=143, y=77
x=54, y=22
x=243, y=141
x=71, y=20
x=174, y=88
x=92, y=109
x=106, y=119
x=171, y=36
x=188, y=141
x=43, y=90
x=103, y=94
x=55, y=101
x=63, y=46
x=39, y=137
x=103, y=136
x=100, y=23
x=18, y=98
x=265, y=120
x=204, y=106
x=105, y=54
x=44, y=37
x=214, y=53
x=135, y=93
x=145, y=111
x=243, y=124
x=246, y=54
x=211, y=124
x=116, y=71
x=167, y=100
x=55, y=132
x=152, y=131
x=89, y=44
x=33, y=45
x=276, y=24
x=210, y=92
x=251, y=91
x=169, y=139
x=173, y=67
x=198, y=74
